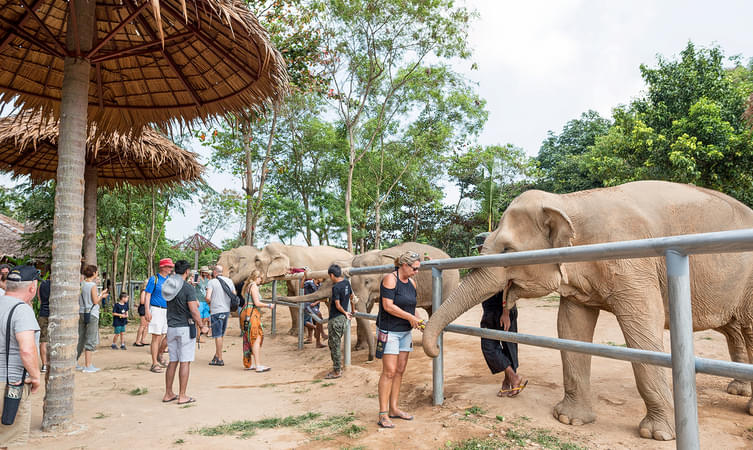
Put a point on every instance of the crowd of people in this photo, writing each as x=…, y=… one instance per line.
x=177, y=307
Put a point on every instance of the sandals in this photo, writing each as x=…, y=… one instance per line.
x=156, y=368
x=402, y=416
x=261, y=369
x=170, y=400
x=504, y=390
x=514, y=391
x=381, y=422
x=190, y=400
x=332, y=375
x=216, y=362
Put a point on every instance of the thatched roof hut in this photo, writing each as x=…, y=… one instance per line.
x=149, y=65
x=10, y=237
x=28, y=146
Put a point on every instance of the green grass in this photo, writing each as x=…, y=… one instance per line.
x=139, y=391
x=301, y=390
x=310, y=423
x=100, y=415
x=268, y=385
x=474, y=411
x=179, y=441
x=318, y=380
x=515, y=438
x=190, y=405
x=500, y=418
x=328, y=384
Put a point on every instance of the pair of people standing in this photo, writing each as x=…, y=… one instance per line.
x=88, y=324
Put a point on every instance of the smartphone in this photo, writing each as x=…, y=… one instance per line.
x=196, y=277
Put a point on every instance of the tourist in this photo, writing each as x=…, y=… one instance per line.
x=44, y=321
x=156, y=314
x=143, y=323
x=201, y=294
x=120, y=320
x=4, y=269
x=21, y=358
x=339, y=317
x=182, y=317
x=88, y=321
x=312, y=317
x=219, y=309
x=253, y=334
x=396, y=318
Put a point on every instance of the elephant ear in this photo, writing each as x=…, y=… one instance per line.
x=561, y=233
x=279, y=266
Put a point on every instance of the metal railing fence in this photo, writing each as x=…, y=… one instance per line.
x=674, y=249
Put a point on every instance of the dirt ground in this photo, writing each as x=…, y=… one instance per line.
x=108, y=415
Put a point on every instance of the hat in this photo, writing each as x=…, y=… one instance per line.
x=23, y=273
x=171, y=287
x=480, y=238
x=166, y=262
x=204, y=269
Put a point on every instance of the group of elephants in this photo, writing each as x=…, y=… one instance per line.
x=634, y=290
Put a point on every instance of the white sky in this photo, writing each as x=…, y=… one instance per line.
x=542, y=63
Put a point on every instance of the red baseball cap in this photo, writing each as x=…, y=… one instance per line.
x=166, y=262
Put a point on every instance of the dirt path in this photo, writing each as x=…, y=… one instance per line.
x=107, y=415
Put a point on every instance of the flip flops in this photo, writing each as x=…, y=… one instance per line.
x=514, y=392
x=190, y=400
x=156, y=368
x=504, y=390
x=171, y=400
x=380, y=422
x=401, y=416
x=332, y=375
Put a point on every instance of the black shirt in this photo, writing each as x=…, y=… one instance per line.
x=177, y=309
x=119, y=309
x=404, y=297
x=44, y=298
x=340, y=291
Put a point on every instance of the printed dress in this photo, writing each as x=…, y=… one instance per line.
x=252, y=330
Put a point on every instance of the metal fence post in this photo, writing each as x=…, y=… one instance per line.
x=274, y=310
x=301, y=328
x=348, y=330
x=683, y=357
x=437, y=364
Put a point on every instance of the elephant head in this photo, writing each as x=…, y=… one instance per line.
x=238, y=262
x=534, y=220
x=272, y=261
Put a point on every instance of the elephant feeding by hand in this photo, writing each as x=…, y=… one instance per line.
x=634, y=290
x=366, y=287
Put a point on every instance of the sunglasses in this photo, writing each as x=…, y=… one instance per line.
x=415, y=268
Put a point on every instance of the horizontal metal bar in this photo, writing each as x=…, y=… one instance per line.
x=284, y=303
x=733, y=241
x=702, y=365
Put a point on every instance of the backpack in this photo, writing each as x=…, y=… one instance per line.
x=235, y=301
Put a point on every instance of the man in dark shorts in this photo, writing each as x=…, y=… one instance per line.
x=182, y=317
x=44, y=320
x=339, y=317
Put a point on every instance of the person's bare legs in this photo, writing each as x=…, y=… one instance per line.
x=156, y=347
x=169, y=378
x=386, y=381
x=397, y=379
x=87, y=358
x=218, y=348
x=183, y=373
x=256, y=352
x=43, y=352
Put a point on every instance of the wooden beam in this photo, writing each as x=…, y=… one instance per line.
x=19, y=32
x=120, y=26
x=99, y=86
x=9, y=37
x=136, y=48
x=43, y=26
x=76, y=36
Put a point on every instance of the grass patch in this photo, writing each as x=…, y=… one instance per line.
x=179, y=441
x=268, y=385
x=190, y=405
x=359, y=447
x=515, y=438
x=139, y=391
x=474, y=411
x=318, y=380
x=372, y=395
x=100, y=415
x=310, y=423
x=328, y=384
x=301, y=390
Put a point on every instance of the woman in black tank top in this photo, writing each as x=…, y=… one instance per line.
x=396, y=318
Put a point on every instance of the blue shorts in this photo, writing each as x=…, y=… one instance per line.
x=120, y=329
x=398, y=341
x=219, y=324
x=204, y=310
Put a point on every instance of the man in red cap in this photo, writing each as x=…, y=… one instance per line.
x=156, y=315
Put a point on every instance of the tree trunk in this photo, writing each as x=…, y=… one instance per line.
x=152, y=247
x=114, y=267
x=90, y=214
x=250, y=223
x=378, y=226
x=68, y=224
x=308, y=219
x=349, y=188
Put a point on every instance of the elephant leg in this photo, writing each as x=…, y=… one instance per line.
x=364, y=332
x=640, y=314
x=292, y=292
x=747, y=332
x=576, y=322
x=738, y=353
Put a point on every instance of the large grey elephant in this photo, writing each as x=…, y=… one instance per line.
x=278, y=259
x=634, y=290
x=366, y=287
x=238, y=263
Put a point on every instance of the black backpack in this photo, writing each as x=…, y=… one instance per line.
x=235, y=300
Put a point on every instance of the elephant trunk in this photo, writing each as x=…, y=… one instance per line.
x=478, y=286
x=323, y=292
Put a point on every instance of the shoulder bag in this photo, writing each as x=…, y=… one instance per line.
x=13, y=392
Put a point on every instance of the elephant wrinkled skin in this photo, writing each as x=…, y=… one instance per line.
x=634, y=290
x=366, y=287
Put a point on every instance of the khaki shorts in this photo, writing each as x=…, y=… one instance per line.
x=18, y=433
x=180, y=345
x=44, y=335
x=158, y=324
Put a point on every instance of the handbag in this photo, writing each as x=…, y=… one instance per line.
x=87, y=317
x=13, y=392
x=235, y=301
x=381, y=343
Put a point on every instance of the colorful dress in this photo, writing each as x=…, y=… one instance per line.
x=252, y=330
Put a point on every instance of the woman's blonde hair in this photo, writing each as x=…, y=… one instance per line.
x=407, y=258
x=254, y=275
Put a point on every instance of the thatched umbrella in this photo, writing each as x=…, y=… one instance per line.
x=29, y=146
x=113, y=63
x=197, y=243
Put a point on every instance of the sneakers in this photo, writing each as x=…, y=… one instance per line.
x=114, y=347
x=122, y=346
x=44, y=368
x=90, y=369
x=79, y=368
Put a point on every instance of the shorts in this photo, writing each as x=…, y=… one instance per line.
x=88, y=334
x=44, y=335
x=158, y=324
x=120, y=329
x=219, y=324
x=180, y=345
x=398, y=341
x=204, y=310
x=142, y=310
x=18, y=433
x=307, y=318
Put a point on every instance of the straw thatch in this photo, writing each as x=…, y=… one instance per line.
x=216, y=60
x=10, y=237
x=28, y=146
x=195, y=242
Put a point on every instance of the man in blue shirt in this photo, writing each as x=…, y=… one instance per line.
x=156, y=315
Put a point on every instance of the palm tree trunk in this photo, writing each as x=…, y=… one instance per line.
x=90, y=214
x=68, y=230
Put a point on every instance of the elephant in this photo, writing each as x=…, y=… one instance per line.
x=366, y=287
x=238, y=263
x=277, y=259
x=634, y=290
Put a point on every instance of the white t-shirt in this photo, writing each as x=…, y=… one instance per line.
x=220, y=302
